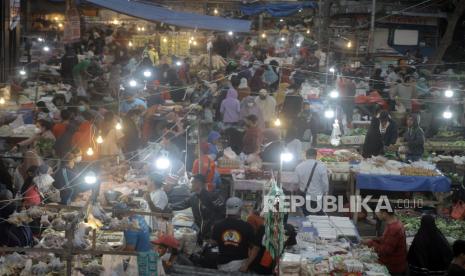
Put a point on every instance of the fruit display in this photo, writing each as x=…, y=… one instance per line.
x=415, y=171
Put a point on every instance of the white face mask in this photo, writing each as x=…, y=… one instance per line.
x=78, y=159
x=37, y=130
x=250, y=104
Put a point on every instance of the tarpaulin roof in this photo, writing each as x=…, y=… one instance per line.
x=278, y=9
x=182, y=19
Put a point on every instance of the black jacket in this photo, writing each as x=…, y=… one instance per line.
x=375, y=141
x=207, y=208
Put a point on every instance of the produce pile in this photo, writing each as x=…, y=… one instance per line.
x=382, y=166
x=338, y=156
x=30, y=265
x=441, y=145
x=357, y=132
x=449, y=228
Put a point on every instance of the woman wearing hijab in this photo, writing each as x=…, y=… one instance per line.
x=230, y=108
x=430, y=253
x=250, y=107
x=243, y=89
x=256, y=83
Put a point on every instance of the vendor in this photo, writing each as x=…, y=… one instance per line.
x=249, y=107
x=43, y=132
x=415, y=138
x=457, y=266
x=253, y=136
x=392, y=246
x=213, y=142
x=235, y=238
x=167, y=248
x=66, y=176
x=60, y=127
x=207, y=207
x=135, y=240
x=430, y=252
x=381, y=134
x=313, y=180
x=156, y=196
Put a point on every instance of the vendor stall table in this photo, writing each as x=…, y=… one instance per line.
x=288, y=179
x=398, y=183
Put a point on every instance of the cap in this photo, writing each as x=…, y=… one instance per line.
x=233, y=206
x=263, y=92
x=167, y=240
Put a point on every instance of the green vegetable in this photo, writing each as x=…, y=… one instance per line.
x=449, y=228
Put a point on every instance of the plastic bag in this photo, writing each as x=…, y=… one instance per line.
x=458, y=210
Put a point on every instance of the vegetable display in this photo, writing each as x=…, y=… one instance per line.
x=449, y=228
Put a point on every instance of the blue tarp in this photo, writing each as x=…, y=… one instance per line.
x=401, y=183
x=278, y=9
x=182, y=19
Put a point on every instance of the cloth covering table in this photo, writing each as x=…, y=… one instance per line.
x=402, y=183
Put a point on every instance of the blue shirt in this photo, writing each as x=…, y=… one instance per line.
x=126, y=106
x=140, y=239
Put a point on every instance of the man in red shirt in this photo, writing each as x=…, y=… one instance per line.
x=60, y=128
x=205, y=166
x=392, y=246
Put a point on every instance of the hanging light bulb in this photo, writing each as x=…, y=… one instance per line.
x=308, y=31
x=133, y=83
x=147, y=73
x=334, y=94
x=194, y=43
x=115, y=21
x=281, y=20
x=40, y=39
x=130, y=44
x=118, y=126
x=165, y=40
x=449, y=93
x=215, y=11
x=22, y=72
x=277, y=122
x=142, y=29
x=300, y=10
x=46, y=49
x=298, y=45
x=263, y=35
x=349, y=44
x=2, y=101
x=60, y=25
x=332, y=70
x=329, y=113
x=447, y=114
x=287, y=156
x=178, y=63
x=283, y=38
x=99, y=139
x=230, y=33
x=162, y=163
x=90, y=151
x=138, y=29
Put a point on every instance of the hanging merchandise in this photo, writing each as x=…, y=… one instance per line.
x=274, y=229
x=336, y=134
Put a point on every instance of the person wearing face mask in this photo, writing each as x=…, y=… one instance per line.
x=84, y=106
x=43, y=132
x=249, y=107
x=131, y=102
x=65, y=176
x=267, y=106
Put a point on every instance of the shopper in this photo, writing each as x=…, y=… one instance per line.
x=66, y=176
x=235, y=238
x=29, y=191
x=205, y=166
x=136, y=240
x=207, y=207
x=267, y=105
x=60, y=128
x=415, y=138
x=230, y=108
x=167, y=248
x=429, y=253
x=457, y=266
x=392, y=246
x=313, y=181
x=249, y=107
x=253, y=136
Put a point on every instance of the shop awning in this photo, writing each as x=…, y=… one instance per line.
x=181, y=19
x=278, y=9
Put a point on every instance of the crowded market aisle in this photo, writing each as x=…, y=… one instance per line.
x=145, y=155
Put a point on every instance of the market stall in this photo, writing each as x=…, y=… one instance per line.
x=381, y=174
